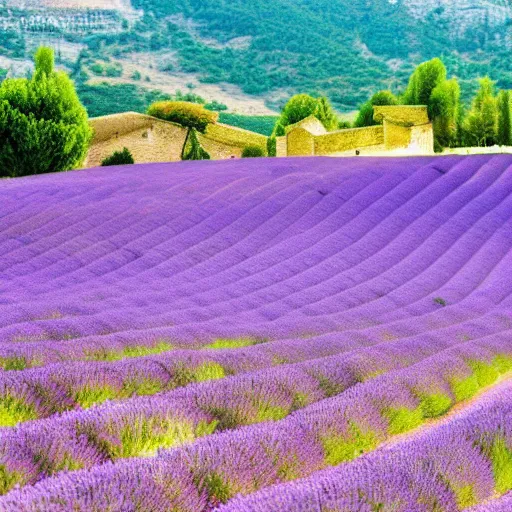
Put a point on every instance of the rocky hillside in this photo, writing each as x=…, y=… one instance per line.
x=343, y=48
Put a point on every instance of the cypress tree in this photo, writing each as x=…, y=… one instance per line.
x=481, y=127
x=504, y=119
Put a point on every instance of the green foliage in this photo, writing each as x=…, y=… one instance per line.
x=128, y=98
x=88, y=396
x=123, y=157
x=444, y=105
x=426, y=77
x=501, y=457
x=301, y=106
x=14, y=411
x=44, y=61
x=340, y=449
x=41, y=116
x=440, y=301
x=8, y=479
x=259, y=124
x=465, y=496
x=216, y=106
x=192, y=149
x=485, y=373
x=222, y=343
x=190, y=115
x=272, y=146
x=504, y=119
x=402, y=420
x=365, y=115
x=434, y=405
x=464, y=389
x=481, y=126
x=253, y=152
x=208, y=371
x=217, y=487
x=13, y=363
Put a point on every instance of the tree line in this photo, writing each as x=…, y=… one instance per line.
x=485, y=122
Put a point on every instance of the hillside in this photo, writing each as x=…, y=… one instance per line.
x=265, y=52
x=239, y=325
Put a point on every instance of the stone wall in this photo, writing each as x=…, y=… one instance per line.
x=409, y=114
x=350, y=139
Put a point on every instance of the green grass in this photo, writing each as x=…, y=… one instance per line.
x=13, y=363
x=464, y=389
x=91, y=395
x=222, y=343
x=340, y=449
x=465, y=496
x=402, y=420
x=8, y=479
x=435, y=405
x=129, y=352
x=501, y=457
x=208, y=371
x=14, y=411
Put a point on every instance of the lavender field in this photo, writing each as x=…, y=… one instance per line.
x=260, y=335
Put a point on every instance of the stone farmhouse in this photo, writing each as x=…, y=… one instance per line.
x=404, y=130
x=152, y=140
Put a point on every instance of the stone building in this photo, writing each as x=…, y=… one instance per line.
x=404, y=130
x=152, y=140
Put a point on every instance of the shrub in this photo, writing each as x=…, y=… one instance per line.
x=216, y=106
x=187, y=114
x=123, y=157
x=41, y=116
x=252, y=152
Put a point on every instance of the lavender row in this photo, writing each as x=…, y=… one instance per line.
x=471, y=243
x=324, y=433
x=455, y=465
x=41, y=392
x=215, y=212
x=29, y=353
x=503, y=504
x=145, y=424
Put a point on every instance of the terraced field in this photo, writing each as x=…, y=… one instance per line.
x=306, y=335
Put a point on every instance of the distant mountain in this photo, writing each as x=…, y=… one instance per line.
x=346, y=49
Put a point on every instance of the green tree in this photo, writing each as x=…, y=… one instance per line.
x=425, y=78
x=504, y=119
x=325, y=113
x=365, y=116
x=301, y=106
x=444, y=107
x=190, y=115
x=481, y=126
x=192, y=150
x=43, y=126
